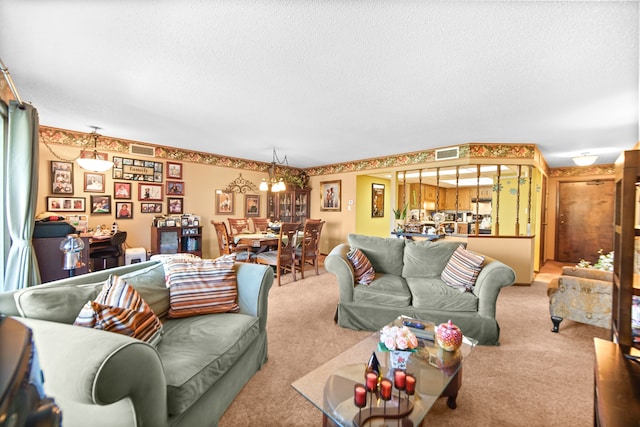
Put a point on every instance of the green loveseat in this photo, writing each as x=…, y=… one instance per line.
x=102, y=378
x=407, y=281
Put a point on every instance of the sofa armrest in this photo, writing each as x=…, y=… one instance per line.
x=254, y=283
x=338, y=263
x=494, y=276
x=92, y=367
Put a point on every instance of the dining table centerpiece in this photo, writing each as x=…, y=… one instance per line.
x=400, y=342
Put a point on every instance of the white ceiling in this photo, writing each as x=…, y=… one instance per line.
x=331, y=81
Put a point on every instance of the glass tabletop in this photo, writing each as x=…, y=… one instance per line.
x=330, y=387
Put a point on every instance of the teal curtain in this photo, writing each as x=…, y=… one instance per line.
x=21, y=189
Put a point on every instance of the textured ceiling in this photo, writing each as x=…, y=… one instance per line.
x=331, y=81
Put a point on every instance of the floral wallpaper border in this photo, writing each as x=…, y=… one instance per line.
x=50, y=135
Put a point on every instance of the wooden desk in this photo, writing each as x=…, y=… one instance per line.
x=616, y=385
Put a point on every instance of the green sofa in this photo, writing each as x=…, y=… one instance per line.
x=103, y=378
x=408, y=282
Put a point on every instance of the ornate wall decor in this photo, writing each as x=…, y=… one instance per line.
x=242, y=186
x=584, y=170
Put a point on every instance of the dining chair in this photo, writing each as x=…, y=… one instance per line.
x=227, y=246
x=112, y=251
x=260, y=224
x=308, y=251
x=282, y=258
x=239, y=226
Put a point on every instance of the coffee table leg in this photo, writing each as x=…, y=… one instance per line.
x=451, y=392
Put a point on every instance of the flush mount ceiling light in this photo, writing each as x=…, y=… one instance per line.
x=277, y=184
x=94, y=163
x=585, y=159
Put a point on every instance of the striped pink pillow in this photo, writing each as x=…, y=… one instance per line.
x=362, y=268
x=462, y=269
x=120, y=308
x=201, y=287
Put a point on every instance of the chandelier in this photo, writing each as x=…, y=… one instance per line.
x=94, y=163
x=277, y=184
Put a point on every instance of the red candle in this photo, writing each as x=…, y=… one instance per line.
x=400, y=379
x=360, y=395
x=411, y=384
x=372, y=381
x=385, y=389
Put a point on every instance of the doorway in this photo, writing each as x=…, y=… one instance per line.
x=584, y=220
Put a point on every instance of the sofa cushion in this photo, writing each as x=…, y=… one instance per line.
x=434, y=294
x=55, y=303
x=201, y=287
x=362, y=269
x=197, y=351
x=385, y=289
x=385, y=254
x=462, y=269
x=150, y=284
x=427, y=258
x=119, y=308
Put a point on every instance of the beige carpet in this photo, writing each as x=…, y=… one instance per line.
x=534, y=378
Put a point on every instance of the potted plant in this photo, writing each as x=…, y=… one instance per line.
x=401, y=216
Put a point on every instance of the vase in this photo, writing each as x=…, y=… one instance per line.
x=398, y=359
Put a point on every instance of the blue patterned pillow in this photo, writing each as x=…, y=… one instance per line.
x=462, y=269
x=362, y=267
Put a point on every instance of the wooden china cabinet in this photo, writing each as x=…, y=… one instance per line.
x=291, y=205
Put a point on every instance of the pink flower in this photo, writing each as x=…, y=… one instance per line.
x=390, y=343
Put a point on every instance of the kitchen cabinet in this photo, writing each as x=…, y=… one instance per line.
x=292, y=205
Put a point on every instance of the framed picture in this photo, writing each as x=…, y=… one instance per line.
x=149, y=192
x=93, y=182
x=330, y=194
x=137, y=170
x=224, y=202
x=66, y=204
x=151, y=207
x=377, y=200
x=61, y=177
x=170, y=223
x=175, y=188
x=175, y=205
x=124, y=210
x=251, y=205
x=122, y=190
x=101, y=204
x=174, y=170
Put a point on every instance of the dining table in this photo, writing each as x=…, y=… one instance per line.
x=259, y=242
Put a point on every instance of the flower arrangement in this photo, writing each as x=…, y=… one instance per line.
x=604, y=263
x=397, y=338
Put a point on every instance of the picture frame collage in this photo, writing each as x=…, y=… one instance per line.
x=151, y=188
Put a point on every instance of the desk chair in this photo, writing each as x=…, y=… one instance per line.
x=226, y=245
x=308, y=252
x=113, y=250
x=283, y=258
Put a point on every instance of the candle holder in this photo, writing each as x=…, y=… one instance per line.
x=359, y=399
x=410, y=386
x=385, y=392
x=400, y=382
x=371, y=382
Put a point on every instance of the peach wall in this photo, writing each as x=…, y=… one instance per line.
x=201, y=181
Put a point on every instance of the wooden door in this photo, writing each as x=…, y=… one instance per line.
x=585, y=220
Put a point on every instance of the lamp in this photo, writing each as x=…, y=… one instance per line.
x=277, y=184
x=585, y=159
x=94, y=163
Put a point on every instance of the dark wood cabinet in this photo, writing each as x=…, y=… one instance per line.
x=174, y=240
x=626, y=260
x=50, y=258
x=291, y=205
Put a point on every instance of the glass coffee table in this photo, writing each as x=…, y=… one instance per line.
x=330, y=387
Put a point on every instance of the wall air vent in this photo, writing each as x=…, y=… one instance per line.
x=447, y=153
x=142, y=150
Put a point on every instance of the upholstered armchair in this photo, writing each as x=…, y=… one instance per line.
x=582, y=295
